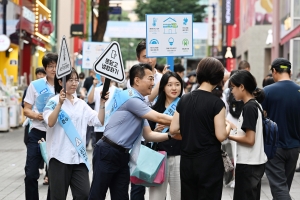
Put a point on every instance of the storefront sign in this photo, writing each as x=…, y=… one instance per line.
x=77, y=30
x=4, y=42
x=28, y=14
x=228, y=12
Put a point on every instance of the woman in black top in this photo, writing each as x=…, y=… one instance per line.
x=200, y=117
x=170, y=89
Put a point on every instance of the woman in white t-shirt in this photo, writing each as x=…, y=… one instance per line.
x=67, y=117
x=248, y=134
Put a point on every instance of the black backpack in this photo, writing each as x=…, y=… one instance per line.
x=235, y=107
x=270, y=134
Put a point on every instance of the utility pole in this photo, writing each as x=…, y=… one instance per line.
x=4, y=3
x=213, y=28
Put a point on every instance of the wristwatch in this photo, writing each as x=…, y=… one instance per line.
x=102, y=107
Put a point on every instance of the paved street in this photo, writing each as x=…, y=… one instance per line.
x=12, y=161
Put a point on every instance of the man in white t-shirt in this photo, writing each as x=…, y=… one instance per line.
x=38, y=126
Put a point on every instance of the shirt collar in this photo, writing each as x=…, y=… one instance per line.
x=137, y=92
x=45, y=78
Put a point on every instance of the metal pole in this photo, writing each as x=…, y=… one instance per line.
x=20, y=55
x=213, y=30
x=4, y=3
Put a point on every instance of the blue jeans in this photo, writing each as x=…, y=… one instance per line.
x=33, y=161
x=110, y=170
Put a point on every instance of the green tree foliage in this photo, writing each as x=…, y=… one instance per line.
x=170, y=6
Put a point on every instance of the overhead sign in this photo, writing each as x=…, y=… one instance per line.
x=91, y=52
x=4, y=42
x=228, y=12
x=169, y=35
x=77, y=30
x=115, y=10
x=63, y=66
x=110, y=63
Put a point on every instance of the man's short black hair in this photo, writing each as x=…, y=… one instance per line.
x=138, y=70
x=178, y=68
x=81, y=75
x=243, y=65
x=49, y=58
x=40, y=70
x=140, y=47
x=159, y=68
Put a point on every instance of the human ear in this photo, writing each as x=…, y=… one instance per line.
x=60, y=82
x=137, y=80
x=242, y=87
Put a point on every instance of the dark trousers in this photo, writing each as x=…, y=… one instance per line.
x=26, y=131
x=61, y=176
x=248, y=181
x=280, y=172
x=202, y=177
x=90, y=135
x=110, y=170
x=33, y=160
x=98, y=135
x=137, y=192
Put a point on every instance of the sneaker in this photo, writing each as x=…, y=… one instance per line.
x=41, y=171
x=298, y=169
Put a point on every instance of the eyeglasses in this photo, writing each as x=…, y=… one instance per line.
x=76, y=81
x=51, y=66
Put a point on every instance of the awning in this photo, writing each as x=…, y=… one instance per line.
x=294, y=33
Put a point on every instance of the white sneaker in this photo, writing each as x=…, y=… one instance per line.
x=41, y=171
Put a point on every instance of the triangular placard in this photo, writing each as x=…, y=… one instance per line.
x=63, y=66
x=78, y=142
x=110, y=63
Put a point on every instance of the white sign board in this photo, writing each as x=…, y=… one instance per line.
x=110, y=63
x=4, y=42
x=63, y=66
x=91, y=52
x=169, y=35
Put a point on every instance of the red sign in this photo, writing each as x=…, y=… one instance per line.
x=46, y=27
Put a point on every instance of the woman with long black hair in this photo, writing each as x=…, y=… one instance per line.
x=170, y=91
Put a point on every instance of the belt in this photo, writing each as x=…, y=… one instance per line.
x=120, y=148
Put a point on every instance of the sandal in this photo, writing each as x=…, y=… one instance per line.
x=46, y=181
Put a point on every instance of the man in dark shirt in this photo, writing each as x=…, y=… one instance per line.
x=282, y=106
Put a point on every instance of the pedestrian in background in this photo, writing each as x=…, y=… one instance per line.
x=248, y=133
x=94, y=97
x=282, y=106
x=200, y=118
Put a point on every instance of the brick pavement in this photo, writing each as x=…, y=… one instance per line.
x=12, y=162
